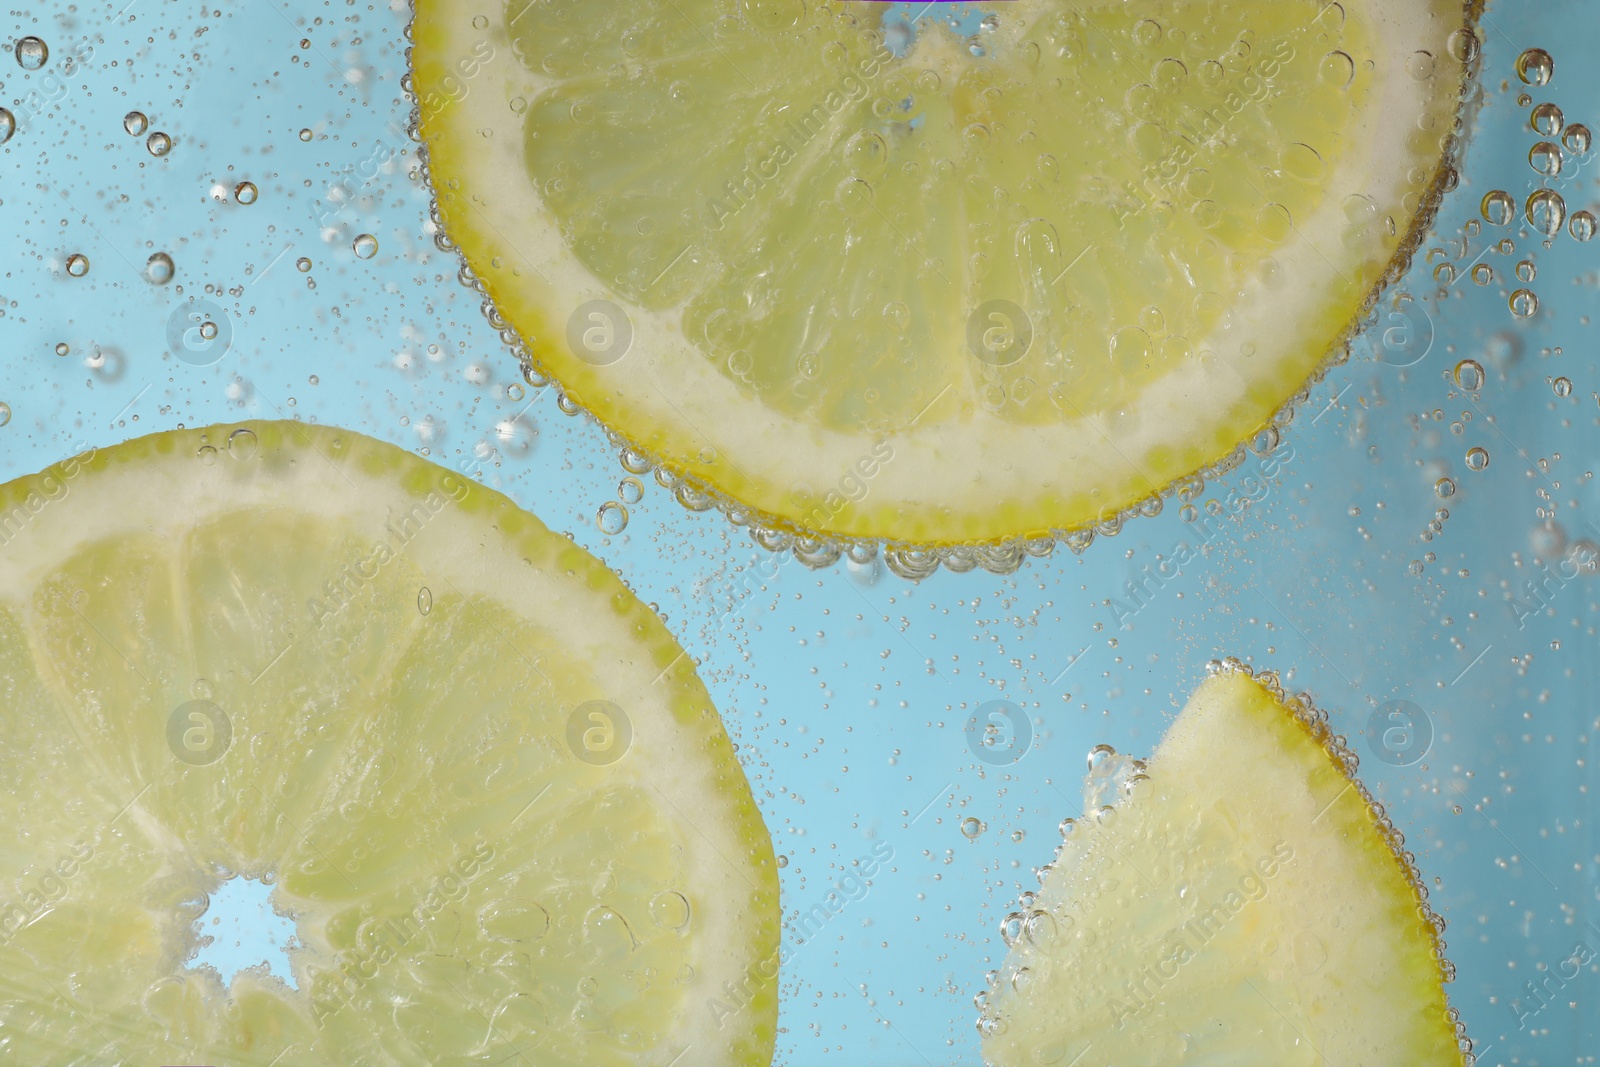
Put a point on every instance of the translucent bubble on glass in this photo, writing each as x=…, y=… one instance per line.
x=62, y=348
x=135, y=122
x=1524, y=303
x=1581, y=225
x=158, y=269
x=1535, y=67
x=971, y=828
x=1498, y=207
x=8, y=124
x=305, y=135
x=1482, y=273
x=1562, y=386
x=1444, y=488
x=1469, y=375
x=1477, y=458
x=1463, y=45
x=1577, y=139
x=612, y=518
x=158, y=144
x=302, y=264
x=77, y=264
x=32, y=53
x=1546, y=211
x=1526, y=271
x=5, y=413
x=1547, y=119
x=245, y=192
x=1545, y=157
x=365, y=246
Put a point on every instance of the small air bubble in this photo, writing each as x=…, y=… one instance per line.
x=1524, y=303
x=158, y=144
x=1562, y=386
x=425, y=600
x=159, y=269
x=77, y=265
x=612, y=518
x=365, y=246
x=1477, y=458
x=245, y=192
x=1469, y=375
x=1581, y=225
x=1545, y=158
x=1498, y=207
x=1547, y=119
x=1444, y=488
x=8, y=124
x=302, y=264
x=32, y=53
x=1546, y=211
x=1535, y=67
x=135, y=122
x=971, y=828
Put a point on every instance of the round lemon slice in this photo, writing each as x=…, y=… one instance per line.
x=936, y=274
x=1244, y=901
x=477, y=774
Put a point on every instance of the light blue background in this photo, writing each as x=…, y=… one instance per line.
x=847, y=688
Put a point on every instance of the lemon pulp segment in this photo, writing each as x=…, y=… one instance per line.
x=874, y=279
x=1247, y=904
x=482, y=778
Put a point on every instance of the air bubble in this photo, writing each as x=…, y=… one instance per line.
x=77, y=265
x=8, y=124
x=1562, y=386
x=612, y=518
x=135, y=122
x=1469, y=375
x=1535, y=67
x=1545, y=158
x=245, y=192
x=1444, y=488
x=305, y=135
x=5, y=413
x=32, y=53
x=1546, y=211
x=159, y=269
x=1547, y=119
x=1577, y=139
x=424, y=601
x=1498, y=207
x=365, y=246
x=158, y=144
x=1477, y=458
x=1581, y=225
x=1524, y=303
x=1482, y=273
x=971, y=828
x=302, y=264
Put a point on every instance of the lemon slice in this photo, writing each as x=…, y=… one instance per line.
x=1247, y=904
x=859, y=274
x=480, y=777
